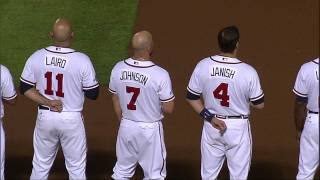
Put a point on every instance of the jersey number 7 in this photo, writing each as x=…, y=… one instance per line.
x=221, y=92
x=136, y=92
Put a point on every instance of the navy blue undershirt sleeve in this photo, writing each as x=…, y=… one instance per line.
x=192, y=96
x=301, y=99
x=24, y=87
x=258, y=101
x=92, y=93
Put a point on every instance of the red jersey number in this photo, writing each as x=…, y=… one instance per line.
x=136, y=92
x=221, y=92
x=49, y=90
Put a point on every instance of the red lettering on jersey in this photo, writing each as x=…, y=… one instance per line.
x=136, y=92
x=221, y=92
x=49, y=90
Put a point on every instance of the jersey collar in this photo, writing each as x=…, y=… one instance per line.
x=139, y=64
x=316, y=61
x=225, y=59
x=60, y=50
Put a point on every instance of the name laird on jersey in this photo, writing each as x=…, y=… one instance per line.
x=221, y=71
x=134, y=76
x=56, y=61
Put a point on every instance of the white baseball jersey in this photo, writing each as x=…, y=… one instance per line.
x=7, y=90
x=307, y=84
x=141, y=87
x=61, y=74
x=226, y=84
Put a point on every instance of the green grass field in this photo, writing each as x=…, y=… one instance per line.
x=103, y=29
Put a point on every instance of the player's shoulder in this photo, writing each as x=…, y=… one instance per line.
x=205, y=61
x=160, y=70
x=4, y=69
x=248, y=67
x=310, y=65
x=118, y=65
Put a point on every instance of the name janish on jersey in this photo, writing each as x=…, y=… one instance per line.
x=134, y=76
x=56, y=61
x=221, y=71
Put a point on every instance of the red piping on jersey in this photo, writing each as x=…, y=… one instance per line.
x=112, y=91
x=137, y=66
x=27, y=81
x=59, y=52
x=192, y=91
x=258, y=97
x=224, y=62
x=168, y=99
x=90, y=86
x=299, y=93
x=11, y=97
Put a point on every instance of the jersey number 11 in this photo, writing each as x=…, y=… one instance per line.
x=49, y=90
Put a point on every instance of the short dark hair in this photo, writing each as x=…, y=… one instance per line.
x=228, y=38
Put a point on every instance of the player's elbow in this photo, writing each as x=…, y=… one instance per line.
x=168, y=107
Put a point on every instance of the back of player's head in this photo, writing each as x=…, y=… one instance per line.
x=142, y=41
x=228, y=38
x=62, y=30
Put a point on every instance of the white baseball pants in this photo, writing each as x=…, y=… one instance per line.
x=309, y=148
x=235, y=144
x=142, y=143
x=2, y=150
x=53, y=129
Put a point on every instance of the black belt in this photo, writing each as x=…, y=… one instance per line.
x=43, y=107
x=230, y=117
x=312, y=112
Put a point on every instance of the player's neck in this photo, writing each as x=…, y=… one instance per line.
x=231, y=55
x=62, y=44
x=141, y=56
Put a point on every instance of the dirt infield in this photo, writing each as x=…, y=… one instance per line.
x=276, y=38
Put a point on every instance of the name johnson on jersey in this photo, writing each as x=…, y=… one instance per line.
x=134, y=76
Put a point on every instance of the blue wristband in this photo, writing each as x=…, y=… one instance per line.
x=206, y=114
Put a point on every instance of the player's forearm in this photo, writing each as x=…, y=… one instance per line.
x=168, y=107
x=35, y=96
x=196, y=105
x=300, y=112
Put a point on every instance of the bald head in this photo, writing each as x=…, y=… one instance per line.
x=142, y=41
x=62, y=30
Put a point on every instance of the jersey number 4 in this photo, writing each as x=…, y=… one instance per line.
x=136, y=92
x=221, y=92
x=49, y=90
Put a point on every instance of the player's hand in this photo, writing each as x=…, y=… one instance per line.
x=56, y=105
x=218, y=124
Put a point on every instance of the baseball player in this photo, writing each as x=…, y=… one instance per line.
x=228, y=87
x=64, y=76
x=141, y=93
x=306, y=115
x=8, y=95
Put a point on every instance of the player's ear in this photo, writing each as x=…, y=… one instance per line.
x=72, y=35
